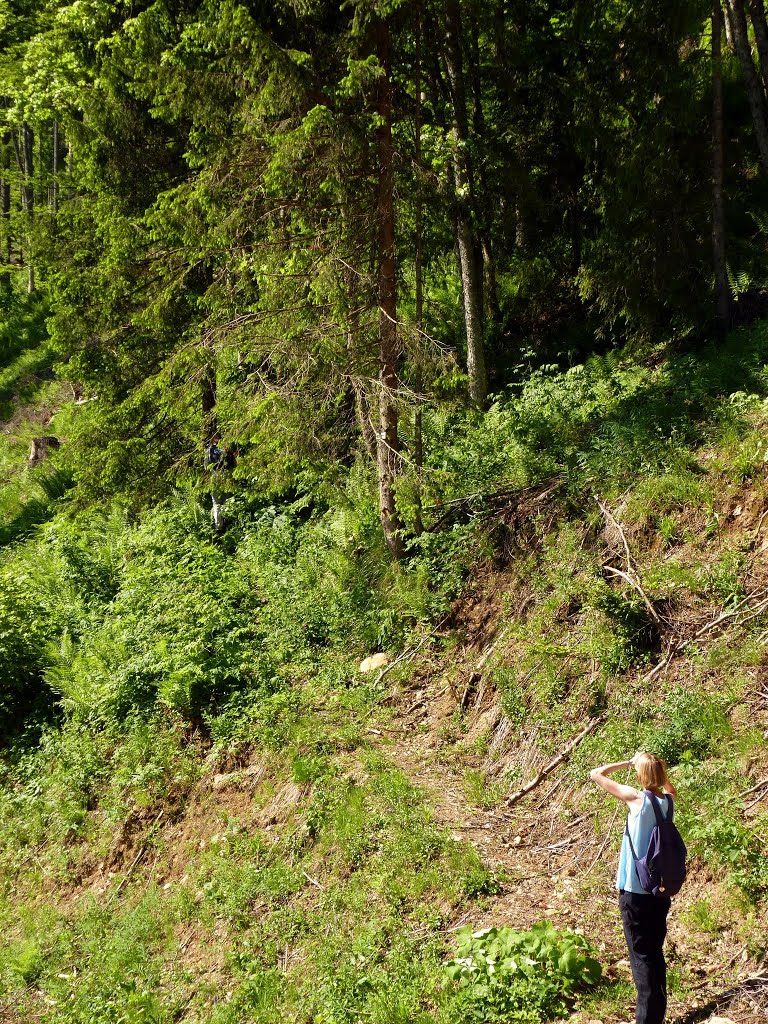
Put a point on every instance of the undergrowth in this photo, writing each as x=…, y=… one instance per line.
x=144, y=656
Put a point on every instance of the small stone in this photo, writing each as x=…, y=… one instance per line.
x=374, y=662
x=720, y=1020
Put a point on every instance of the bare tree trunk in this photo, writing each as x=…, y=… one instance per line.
x=484, y=207
x=28, y=198
x=755, y=93
x=469, y=250
x=388, y=441
x=54, y=191
x=722, y=294
x=728, y=35
x=418, y=435
x=760, y=25
x=5, y=209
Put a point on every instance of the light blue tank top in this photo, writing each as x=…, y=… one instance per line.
x=640, y=824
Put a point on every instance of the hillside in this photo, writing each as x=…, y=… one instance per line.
x=209, y=814
x=383, y=447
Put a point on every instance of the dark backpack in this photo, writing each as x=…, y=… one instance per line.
x=662, y=870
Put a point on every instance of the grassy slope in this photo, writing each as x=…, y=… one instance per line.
x=312, y=863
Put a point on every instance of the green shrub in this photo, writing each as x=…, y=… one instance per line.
x=689, y=726
x=24, y=632
x=27, y=961
x=504, y=975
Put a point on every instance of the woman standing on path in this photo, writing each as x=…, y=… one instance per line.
x=643, y=915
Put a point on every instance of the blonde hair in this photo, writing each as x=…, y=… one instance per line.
x=651, y=771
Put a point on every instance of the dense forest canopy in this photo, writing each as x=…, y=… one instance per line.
x=295, y=253
x=305, y=227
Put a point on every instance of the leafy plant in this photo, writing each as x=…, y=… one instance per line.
x=505, y=975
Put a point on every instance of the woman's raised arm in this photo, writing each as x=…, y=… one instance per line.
x=621, y=792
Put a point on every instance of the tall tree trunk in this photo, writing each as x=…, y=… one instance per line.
x=54, y=191
x=5, y=209
x=760, y=25
x=755, y=92
x=418, y=434
x=29, y=201
x=25, y=160
x=469, y=249
x=722, y=295
x=483, y=193
x=388, y=442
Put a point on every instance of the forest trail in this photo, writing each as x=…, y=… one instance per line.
x=545, y=858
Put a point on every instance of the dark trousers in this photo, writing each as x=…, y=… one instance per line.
x=645, y=927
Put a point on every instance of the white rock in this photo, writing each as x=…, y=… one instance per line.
x=374, y=662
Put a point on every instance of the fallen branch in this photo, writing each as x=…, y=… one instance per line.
x=756, y=534
x=476, y=674
x=409, y=653
x=754, y=789
x=758, y=798
x=681, y=643
x=730, y=614
x=720, y=999
x=493, y=503
x=612, y=519
x=422, y=700
x=134, y=862
x=562, y=756
x=634, y=582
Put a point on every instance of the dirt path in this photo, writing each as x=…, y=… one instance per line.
x=549, y=861
x=541, y=850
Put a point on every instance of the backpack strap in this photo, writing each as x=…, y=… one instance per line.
x=632, y=851
x=631, y=844
x=655, y=803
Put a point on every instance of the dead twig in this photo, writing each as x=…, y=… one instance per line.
x=576, y=821
x=423, y=700
x=758, y=798
x=631, y=575
x=407, y=655
x=135, y=861
x=676, y=647
x=612, y=519
x=476, y=674
x=756, y=533
x=633, y=581
x=754, y=789
x=562, y=756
